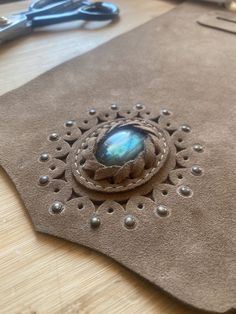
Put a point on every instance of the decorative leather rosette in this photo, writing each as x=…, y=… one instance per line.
x=123, y=158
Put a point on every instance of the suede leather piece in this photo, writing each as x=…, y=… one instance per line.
x=224, y=21
x=169, y=62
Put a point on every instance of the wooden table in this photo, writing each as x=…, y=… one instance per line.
x=39, y=273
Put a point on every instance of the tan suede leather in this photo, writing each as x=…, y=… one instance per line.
x=171, y=62
x=220, y=20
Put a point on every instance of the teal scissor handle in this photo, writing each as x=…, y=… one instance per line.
x=50, y=7
x=48, y=12
x=97, y=11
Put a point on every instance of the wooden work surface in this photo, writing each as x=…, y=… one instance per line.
x=39, y=273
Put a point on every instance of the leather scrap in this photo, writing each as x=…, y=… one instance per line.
x=224, y=21
x=177, y=229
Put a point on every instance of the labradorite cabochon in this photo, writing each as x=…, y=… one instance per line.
x=120, y=146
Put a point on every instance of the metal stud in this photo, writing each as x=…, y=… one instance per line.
x=162, y=210
x=139, y=106
x=185, y=128
x=165, y=112
x=95, y=222
x=92, y=111
x=114, y=107
x=185, y=190
x=130, y=221
x=44, y=157
x=196, y=170
x=54, y=137
x=57, y=207
x=69, y=123
x=43, y=180
x=198, y=148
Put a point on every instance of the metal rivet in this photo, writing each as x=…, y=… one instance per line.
x=70, y=123
x=92, y=111
x=130, y=221
x=57, y=207
x=165, y=112
x=185, y=190
x=44, y=157
x=185, y=128
x=162, y=210
x=43, y=180
x=198, y=148
x=54, y=137
x=196, y=170
x=95, y=222
x=139, y=106
x=114, y=107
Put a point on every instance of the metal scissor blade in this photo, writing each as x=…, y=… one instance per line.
x=18, y=25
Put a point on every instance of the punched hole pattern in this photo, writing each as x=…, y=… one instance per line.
x=167, y=126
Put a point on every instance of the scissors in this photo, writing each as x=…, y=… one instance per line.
x=48, y=12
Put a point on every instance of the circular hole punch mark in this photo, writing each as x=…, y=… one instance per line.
x=140, y=206
x=80, y=206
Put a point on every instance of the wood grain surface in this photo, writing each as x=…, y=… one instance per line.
x=39, y=273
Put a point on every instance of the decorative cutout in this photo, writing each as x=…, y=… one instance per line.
x=166, y=165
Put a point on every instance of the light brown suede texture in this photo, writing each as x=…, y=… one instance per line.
x=171, y=62
x=220, y=20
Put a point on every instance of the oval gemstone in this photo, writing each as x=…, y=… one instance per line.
x=120, y=146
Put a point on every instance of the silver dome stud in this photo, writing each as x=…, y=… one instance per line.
x=43, y=180
x=185, y=191
x=162, y=210
x=57, y=207
x=95, y=222
x=44, y=157
x=198, y=148
x=196, y=170
x=185, y=128
x=139, y=106
x=114, y=107
x=130, y=221
x=69, y=123
x=165, y=112
x=54, y=137
x=92, y=112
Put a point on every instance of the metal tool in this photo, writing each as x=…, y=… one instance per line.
x=48, y=12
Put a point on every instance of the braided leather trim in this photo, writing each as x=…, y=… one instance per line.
x=94, y=175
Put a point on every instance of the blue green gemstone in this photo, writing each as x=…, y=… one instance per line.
x=120, y=146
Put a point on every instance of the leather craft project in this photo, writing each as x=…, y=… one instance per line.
x=130, y=150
